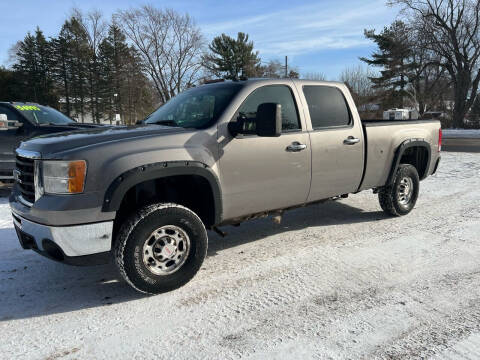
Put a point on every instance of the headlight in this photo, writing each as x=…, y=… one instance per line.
x=63, y=177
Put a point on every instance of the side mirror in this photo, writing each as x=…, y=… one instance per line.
x=267, y=123
x=269, y=120
x=139, y=122
x=6, y=124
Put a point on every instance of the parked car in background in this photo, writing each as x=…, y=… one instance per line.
x=22, y=121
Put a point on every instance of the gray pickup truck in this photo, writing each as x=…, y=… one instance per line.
x=214, y=155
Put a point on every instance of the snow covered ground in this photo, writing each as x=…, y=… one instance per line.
x=338, y=280
x=461, y=133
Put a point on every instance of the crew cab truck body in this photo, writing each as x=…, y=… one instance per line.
x=214, y=155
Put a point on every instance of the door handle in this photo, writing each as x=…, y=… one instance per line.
x=351, y=140
x=296, y=147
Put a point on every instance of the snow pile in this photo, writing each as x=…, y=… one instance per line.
x=5, y=214
x=336, y=280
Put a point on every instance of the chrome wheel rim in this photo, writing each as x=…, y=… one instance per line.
x=405, y=191
x=166, y=250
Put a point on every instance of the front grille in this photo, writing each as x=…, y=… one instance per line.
x=25, y=181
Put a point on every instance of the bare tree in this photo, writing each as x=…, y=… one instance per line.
x=94, y=28
x=451, y=28
x=364, y=92
x=358, y=80
x=170, y=45
x=93, y=25
x=314, y=76
x=274, y=69
x=429, y=84
x=427, y=80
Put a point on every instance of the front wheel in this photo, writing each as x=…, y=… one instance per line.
x=160, y=248
x=400, y=197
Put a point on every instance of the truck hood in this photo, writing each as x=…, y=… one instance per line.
x=65, y=141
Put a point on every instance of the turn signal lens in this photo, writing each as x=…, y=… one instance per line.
x=76, y=176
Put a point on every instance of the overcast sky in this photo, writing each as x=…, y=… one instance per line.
x=318, y=36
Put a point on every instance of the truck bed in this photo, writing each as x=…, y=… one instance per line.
x=382, y=122
x=384, y=137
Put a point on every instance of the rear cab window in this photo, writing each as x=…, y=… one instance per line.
x=327, y=107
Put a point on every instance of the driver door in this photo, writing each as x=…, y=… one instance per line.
x=266, y=173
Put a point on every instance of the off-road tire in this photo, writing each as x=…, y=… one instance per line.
x=388, y=195
x=133, y=234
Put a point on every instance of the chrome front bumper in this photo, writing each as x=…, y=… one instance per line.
x=77, y=240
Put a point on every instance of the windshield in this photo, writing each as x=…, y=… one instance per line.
x=195, y=108
x=43, y=115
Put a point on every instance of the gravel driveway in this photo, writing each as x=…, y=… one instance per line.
x=338, y=280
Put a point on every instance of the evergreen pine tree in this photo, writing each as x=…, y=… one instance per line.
x=34, y=63
x=10, y=85
x=232, y=58
x=26, y=67
x=63, y=72
x=67, y=68
x=79, y=62
x=394, y=55
x=113, y=55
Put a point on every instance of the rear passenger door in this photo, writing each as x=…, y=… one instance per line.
x=336, y=140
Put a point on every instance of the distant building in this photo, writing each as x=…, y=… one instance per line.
x=401, y=114
x=369, y=107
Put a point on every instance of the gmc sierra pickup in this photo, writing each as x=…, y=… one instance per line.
x=214, y=155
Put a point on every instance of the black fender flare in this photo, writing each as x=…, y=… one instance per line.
x=124, y=182
x=399, y=153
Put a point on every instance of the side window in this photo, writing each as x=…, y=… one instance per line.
x=11, y=114
x=327, y=106
x=279, y=94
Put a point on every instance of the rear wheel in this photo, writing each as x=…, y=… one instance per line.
x=160, y=248
x=400, y=197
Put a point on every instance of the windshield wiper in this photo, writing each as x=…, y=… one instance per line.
x=164, y=122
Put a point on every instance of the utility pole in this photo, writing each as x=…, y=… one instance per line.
x=286, y=66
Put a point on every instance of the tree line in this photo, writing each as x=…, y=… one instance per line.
x=94, y=69
x=428, y=59
x=88, y=70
